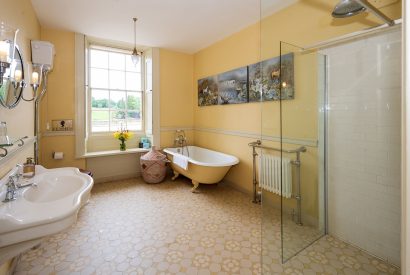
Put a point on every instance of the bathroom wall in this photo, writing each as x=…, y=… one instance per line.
x=178, y=89
x=176, y=74
x=58, y=102
x=364, y=127
x=176, y=97
x=20, y=120
x=213, y=122
x=230, y=128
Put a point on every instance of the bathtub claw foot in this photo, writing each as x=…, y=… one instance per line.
x=196, y=184
x=176, y=174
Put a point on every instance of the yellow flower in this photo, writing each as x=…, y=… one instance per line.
x=122, y=135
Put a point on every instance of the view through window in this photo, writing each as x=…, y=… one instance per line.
x=115, y=91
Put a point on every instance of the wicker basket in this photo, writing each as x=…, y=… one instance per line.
x=153, y=166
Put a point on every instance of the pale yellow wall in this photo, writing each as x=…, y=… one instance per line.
x=20, y=121
x=303, y=23
x=240, y=49
x=176, y=96
x=58, y=102
x=176, y=72
x=310, y=21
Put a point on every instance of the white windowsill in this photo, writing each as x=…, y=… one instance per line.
x=114, y=152
x=57, y=133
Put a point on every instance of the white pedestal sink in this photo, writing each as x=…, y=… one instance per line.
x=41, y=211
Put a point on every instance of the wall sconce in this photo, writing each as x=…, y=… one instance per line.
x=37, y=76
x=12, y=72
x=42, y=53
x=8, y=37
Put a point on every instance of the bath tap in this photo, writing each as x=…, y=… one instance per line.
x=181, y=141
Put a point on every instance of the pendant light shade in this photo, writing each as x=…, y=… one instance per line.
x=136, y=56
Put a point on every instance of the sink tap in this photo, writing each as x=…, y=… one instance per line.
x=11, y=190
x=13, y=185
x=20, y=186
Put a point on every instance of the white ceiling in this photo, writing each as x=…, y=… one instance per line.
x=182, y=25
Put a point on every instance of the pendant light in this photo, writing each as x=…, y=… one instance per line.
x=136, y=56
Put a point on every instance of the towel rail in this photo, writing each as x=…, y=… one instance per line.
x=297, y=151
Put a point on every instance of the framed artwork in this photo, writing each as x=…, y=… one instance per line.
x=255, y=82
x=272, y=80
x=62, y=125
x=207, y=91
x=233, y=87
x=269, y=80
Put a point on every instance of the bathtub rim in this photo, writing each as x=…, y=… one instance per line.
x=233, y=160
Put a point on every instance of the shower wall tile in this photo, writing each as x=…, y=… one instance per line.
x=364, y=120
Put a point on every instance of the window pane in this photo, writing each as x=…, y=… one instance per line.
x=117, y=120
x=99, y=78
x=99, y=99
x=115, y=91
x=117, y=80
x=148, y=65
x=149, y=82
x=130, y=66
x=134, y=101
x=98, y=59
x=134, y=121
x=117, y=100
x=99, y=121
x=134, y=81
x=117, y=61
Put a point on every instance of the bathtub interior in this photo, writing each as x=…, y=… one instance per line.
x=202, y=156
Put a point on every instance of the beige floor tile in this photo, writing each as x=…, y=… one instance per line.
x=130, y=227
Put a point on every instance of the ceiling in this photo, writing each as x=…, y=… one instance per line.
x=182, y=25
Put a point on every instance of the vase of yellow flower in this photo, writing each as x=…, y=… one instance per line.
x=122, y=136
x=123, y=147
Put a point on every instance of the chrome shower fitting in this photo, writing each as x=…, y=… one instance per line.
x=347, y=8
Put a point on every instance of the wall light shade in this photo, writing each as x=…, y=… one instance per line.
x=7, y=50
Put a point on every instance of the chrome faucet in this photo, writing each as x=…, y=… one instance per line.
x=181, y=141
x=11, y=190
x=13, y=185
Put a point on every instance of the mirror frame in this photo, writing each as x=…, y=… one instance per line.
x=18, y=92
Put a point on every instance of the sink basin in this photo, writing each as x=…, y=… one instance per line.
x=53, y=188
x=43, y=210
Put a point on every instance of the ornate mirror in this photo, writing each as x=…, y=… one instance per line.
x=12, y=88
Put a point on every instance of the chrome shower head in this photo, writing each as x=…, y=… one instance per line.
x=347, y=8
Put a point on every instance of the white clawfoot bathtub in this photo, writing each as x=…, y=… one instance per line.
x=204, y=165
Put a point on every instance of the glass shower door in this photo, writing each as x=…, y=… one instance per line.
x=293, y=177
x=302, y=140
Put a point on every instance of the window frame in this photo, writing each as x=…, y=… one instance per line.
x=115, y=49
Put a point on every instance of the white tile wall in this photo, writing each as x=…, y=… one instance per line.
x=364, y=97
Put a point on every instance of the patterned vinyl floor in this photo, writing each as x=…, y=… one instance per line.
x=130, y=227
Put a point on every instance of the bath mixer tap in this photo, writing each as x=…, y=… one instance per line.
x=181, y=141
